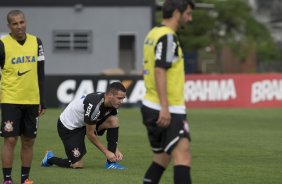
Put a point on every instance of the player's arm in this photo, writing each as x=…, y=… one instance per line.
x=90, y=132
x=118, y=154
x=164, y=116
x=41, y=76
x=91, y=113
x=164, y=55
x=2, y=54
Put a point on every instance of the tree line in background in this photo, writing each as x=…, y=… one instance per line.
x=228, y=26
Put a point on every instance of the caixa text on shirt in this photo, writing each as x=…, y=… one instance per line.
x=23, y=59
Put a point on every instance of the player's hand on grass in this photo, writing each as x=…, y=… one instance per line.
x=111, y=156
x=164, y=118
x=119, y=155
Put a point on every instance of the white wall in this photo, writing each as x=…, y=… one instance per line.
x=107, y=23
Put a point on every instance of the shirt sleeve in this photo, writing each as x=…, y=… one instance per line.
x=41, y=73
x=41, y=56
x=166, y=51
x=92, y=105
x=2, y=54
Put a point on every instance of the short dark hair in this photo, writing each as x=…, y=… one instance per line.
x=116, y=86
x=13, y=13
x=170, y=5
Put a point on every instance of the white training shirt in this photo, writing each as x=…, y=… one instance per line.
x=88, y=109
x=73, y=116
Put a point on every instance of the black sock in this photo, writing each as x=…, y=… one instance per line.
x=112, y=138
x=182, y=174
x=24, y=173
x=59, y=162
x=7, y=173
x=153, y=174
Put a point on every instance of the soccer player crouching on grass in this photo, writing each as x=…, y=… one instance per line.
x=90, y=115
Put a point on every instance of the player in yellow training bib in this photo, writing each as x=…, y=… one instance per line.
x=163, y=108
x=22, y=93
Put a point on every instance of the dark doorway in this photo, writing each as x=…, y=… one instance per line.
x=127, y=53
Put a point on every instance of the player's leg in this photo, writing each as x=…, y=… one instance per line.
x=28, y=128
x=50, y=159
x=74, y=145
x=156, y=169
x=8, y=151
x=155, y=134
x=26, y=156
x=11, y=116
x=111, y=125
x=182, y=162
x=8, y=157
x=78, y=165
x=178, y=133
x=26, y=150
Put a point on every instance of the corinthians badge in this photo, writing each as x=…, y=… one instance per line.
x=8, y=127
x=76, y=152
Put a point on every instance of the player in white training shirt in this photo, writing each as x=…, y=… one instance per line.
x=91, y=115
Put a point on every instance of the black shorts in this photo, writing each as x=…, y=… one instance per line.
x=73, y=141
x=19, y=120
x=164, y=139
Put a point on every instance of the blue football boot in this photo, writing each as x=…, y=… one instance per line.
x=114, y=165
x=44, y=162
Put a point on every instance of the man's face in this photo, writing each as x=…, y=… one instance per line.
x=17, y=26
x=117, y=98
x=185, y=17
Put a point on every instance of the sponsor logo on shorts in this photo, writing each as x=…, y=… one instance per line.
x=8, y=127
x=76, y=152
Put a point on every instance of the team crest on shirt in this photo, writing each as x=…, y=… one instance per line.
x=76, y=152
x=8, y=127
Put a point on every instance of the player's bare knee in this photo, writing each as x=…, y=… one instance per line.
x=27, y=142
x=181, y=153
x=10, y=141
x=162, y=159
x=77, y=165
x=113, y=122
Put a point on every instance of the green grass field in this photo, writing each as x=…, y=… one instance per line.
x=230, y=146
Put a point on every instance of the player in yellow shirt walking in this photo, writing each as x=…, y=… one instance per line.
x=163, y=108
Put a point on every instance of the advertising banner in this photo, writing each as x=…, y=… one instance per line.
x=61, y=90
x=234, y=90
x=201, y=91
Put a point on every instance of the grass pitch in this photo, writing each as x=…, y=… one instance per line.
x=229, y=146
